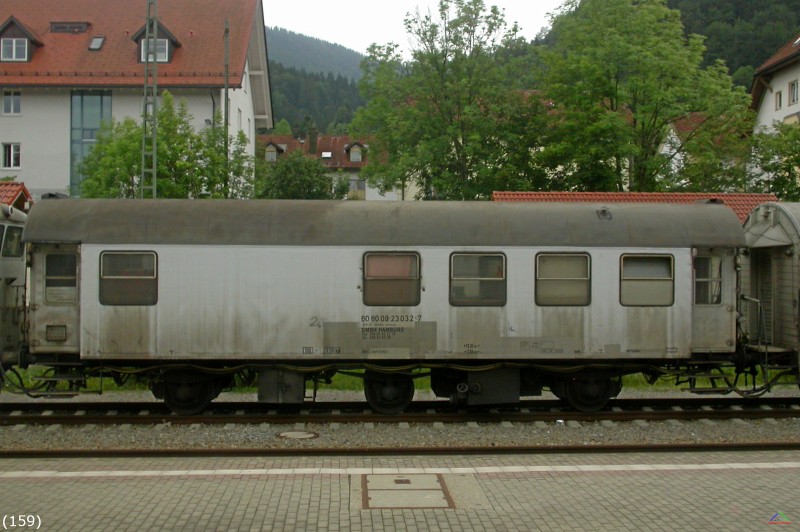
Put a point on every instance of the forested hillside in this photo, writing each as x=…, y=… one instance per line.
x=314, y=83
x=744, y=33
x=312, y=99
x=312, y=55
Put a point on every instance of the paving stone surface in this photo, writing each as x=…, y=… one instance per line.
x=661, y=491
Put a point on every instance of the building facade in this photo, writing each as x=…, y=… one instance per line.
x=776, y=87
x=67, y=67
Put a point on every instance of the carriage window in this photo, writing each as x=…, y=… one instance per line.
x=707, y=280
x=128, y=278
x=477, y=279
x=647, y=281
x=391, y=279
x=562, y=280
x=12, y=244
x=60, y=278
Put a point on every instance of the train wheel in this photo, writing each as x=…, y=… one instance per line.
x=188, y=396
x=388, y=393
x=589, y=395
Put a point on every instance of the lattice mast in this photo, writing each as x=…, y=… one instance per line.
x=147, y=182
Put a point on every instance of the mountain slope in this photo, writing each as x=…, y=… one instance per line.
x=301, y=52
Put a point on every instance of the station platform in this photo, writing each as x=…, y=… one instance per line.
x=638, y=491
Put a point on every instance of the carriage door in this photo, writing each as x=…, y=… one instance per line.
x=54, y=298
x=714, y=311
x=762, y=316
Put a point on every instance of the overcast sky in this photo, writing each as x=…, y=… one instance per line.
x=356, y=24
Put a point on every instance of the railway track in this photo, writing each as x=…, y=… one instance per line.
x=624, y=410
x=401, y=451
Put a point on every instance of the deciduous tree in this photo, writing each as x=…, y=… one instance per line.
x=295, y=176
x=621, y=74
x=191, y=164
x=452, y=120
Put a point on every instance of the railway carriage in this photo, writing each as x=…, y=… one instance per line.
x=12, y=276
x=771, y=284
x=492, y=301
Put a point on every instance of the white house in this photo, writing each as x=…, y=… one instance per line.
x=776, y=93
x=67, y=66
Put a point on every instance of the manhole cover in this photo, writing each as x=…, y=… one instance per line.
x=298, y=435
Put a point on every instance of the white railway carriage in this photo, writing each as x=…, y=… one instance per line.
x=492, y=300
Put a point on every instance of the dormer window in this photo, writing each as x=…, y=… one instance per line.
x=14, y=49
x=271, y=153
x=158, y=50
x=355, y=154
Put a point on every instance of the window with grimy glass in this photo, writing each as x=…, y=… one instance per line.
x=478, y=279
x=60, y=278
x=128, y=278
x=391, y=279
x=707, y=280
x=563, y=279
x=647, y=281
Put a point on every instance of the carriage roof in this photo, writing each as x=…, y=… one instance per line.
x=379, y=223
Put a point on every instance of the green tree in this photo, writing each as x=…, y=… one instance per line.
x=295, y=176
x=190, y=164
x=113, y=167
x=776, y=154
x=220, y=177
x=282, y=128
x=451, y=120
x=622, y=75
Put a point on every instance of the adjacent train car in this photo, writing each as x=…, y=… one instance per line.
x=492, y=301
x=12, y=277
x=771, y=284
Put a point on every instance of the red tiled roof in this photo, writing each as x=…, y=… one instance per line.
x=786, y=55
x=14, y=194
x=741, y=204
x=337, y=146
x=786, y=52
x=65, y=59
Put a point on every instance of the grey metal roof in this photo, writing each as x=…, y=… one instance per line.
x=773, y=224
x=379, y=223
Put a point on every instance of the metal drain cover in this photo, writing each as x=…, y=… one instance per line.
x=298, y=435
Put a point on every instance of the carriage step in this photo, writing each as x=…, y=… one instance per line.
x=710, y=391
x=60, y=378
x=53, y=395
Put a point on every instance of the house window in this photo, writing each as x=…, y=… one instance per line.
x=478, y=279
x=128, y=278
x=271, y=154
x=89, y=110
x=12, y=103
x=355, y=154
x=707, y=280
x=11, y=156
x=60, y=278
x=647, y=281
x=778, y=100
x=158, y=50
x=563, y=280
x=793, y=92
x=391, y=279
x=14, y=49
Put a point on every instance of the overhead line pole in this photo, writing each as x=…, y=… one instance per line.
x=148, y=179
